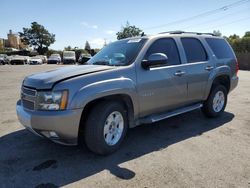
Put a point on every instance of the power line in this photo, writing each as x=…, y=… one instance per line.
x=216, y=19
x=228, y=23
x=221, y=9
x=215, y=11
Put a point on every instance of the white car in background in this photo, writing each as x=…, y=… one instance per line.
x=54, y=59
x=43, y=57
x=3, y=59
x=19, y=60
x=36, y=60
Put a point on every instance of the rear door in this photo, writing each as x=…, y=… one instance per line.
x=199, y=67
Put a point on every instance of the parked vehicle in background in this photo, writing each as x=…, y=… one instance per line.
x=8, y=58
x=43, y=57
x=36, y=60
x=84, y=58
x=69, y=57
x=129, y=82
x=3, y=59
x=54, y=59
x=19, y=60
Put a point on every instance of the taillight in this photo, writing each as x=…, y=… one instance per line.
x=237, y=67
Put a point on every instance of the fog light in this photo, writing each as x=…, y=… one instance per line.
x=53, y=134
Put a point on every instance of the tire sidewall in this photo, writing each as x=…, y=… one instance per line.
x=209, y=102
x=99, y=122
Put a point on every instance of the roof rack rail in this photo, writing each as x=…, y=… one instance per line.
x=181, y=32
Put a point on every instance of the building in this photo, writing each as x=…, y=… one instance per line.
x=13, y=41
x=2, y=44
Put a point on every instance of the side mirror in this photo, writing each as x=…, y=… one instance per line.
x=155, y=59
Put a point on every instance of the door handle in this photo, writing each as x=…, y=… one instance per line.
x=209, y=68
x=179, y=73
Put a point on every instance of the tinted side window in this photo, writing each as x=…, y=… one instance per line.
x=220, y=48
x=194, y=50
x=166, y=46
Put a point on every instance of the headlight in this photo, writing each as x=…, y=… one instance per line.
x=52, y=100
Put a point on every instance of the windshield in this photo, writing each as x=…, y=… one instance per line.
x=119, y=53
x=68, y=54
x=55, y=55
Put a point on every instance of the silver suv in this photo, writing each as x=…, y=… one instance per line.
x=130, y=82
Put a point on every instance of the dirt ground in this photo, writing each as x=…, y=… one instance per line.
x=184, y=151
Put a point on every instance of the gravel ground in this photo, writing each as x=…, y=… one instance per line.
x=184, y=151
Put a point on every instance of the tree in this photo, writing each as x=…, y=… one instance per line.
x=38, y=37
x=247, y=34
x=128, y=31
x=234, y=37
x=68, y=48
x=217, y=33
x=240, y=45
x=87, y=46
x=50, y=51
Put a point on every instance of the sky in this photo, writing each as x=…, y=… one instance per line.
x=75, y=21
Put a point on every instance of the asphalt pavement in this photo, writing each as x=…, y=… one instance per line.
x=188, y=150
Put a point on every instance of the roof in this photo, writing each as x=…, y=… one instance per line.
x=173, y=33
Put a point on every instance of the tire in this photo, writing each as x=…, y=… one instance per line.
x=97, y=122
x=214, y=107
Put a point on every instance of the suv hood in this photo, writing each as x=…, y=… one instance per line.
x=46, y=80
x=38, y=60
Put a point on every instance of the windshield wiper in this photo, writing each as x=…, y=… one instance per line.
x=101, y=63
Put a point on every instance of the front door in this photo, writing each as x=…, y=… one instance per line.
x=162, y=88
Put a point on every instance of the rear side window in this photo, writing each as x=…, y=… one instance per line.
x=220, y=48
x=194, y=50
x=166, y=46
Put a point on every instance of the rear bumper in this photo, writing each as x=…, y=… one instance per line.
x=58, y=126
x=234, y=82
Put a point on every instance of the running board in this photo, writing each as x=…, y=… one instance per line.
x=159, y=117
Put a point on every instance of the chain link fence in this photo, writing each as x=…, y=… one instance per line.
x=244, y=60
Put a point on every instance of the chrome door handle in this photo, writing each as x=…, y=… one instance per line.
x=179, y=73
x=208, y=68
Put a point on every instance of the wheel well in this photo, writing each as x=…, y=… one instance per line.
x=123, y=99
x=222, y=80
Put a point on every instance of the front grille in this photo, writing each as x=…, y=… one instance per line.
x=28, y=91
x=52, y=62
x=17, y=62
x=33, y=62
x=68, y=61
x=28, y=97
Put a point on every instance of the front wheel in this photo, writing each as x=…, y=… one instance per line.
x=216, y=102
x=106, y=127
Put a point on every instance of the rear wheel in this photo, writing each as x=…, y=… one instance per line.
x=106, y=127
x=216, y=102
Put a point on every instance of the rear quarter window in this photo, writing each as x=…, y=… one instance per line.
x=220, y=48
